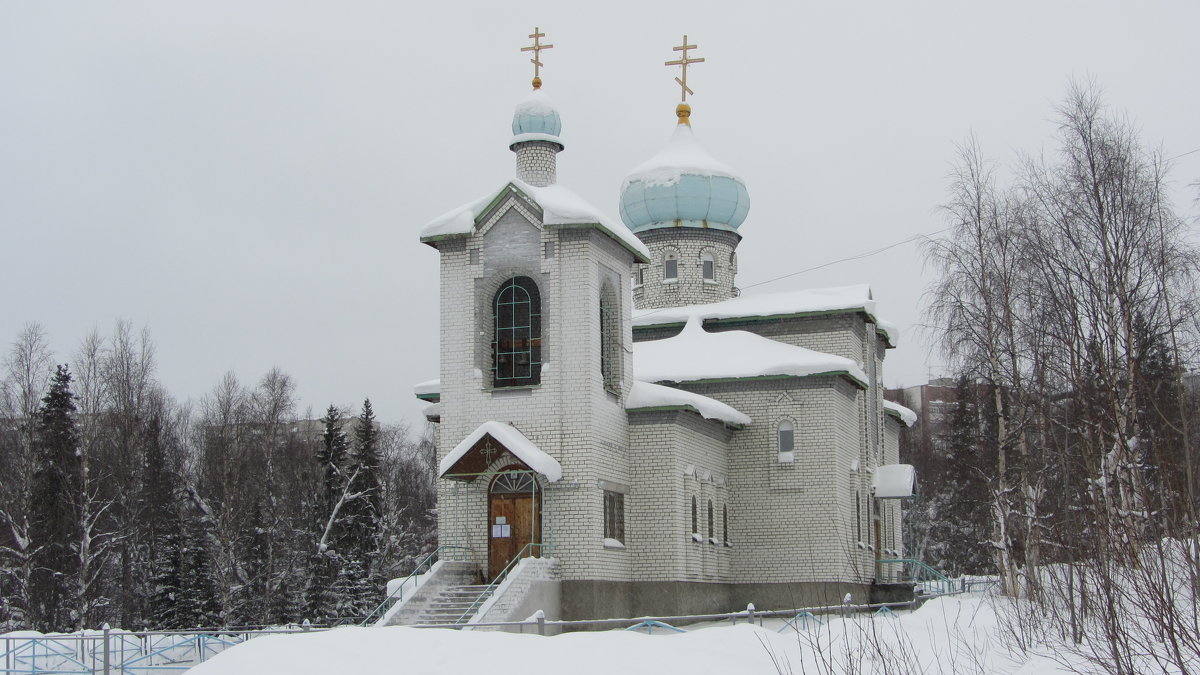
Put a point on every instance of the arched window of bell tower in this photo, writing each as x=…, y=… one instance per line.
x=610, y=338
x=517, y=337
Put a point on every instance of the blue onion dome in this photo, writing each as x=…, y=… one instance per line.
x=536, y=119
x=683, y=186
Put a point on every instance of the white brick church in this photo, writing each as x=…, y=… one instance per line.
x=611, y=407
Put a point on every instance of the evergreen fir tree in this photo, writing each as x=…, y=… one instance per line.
x=55, y=526
x=197, y=606
x=161, y=529
x=252, y=596
x=361, y=574
x=326, y=561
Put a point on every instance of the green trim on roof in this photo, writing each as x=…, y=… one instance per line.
x=830, y=373
x=759, y=318
x=688, y=408
x=431, y=398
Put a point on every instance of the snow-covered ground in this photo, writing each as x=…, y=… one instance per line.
x=956, y=635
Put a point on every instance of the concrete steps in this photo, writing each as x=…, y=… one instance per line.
x=452, y=603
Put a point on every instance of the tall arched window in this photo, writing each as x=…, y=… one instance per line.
x=517, y=345
x=725, y=523
x=786, y=441
x=710, y=521
x=709, y=266
x=670, y=266
x=610, y=338
x=695, y=524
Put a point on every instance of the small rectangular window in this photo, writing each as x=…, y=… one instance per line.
x=614, y=516
x=670, y=269
x=549, y=247
x=709, y=272
x=474, y=256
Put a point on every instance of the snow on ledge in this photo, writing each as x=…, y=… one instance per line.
x=809, y=301
x=894, y=481
x=906, y=416
x=428, y=388
x=696, y=354
x=514, y=441
x=560, y=206
x=649, y=395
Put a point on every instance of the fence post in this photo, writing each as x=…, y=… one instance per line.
x=541, y=622
x=107, y=630
x=750, y=612
x=306, y=625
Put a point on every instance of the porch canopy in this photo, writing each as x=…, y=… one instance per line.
x=471, y=457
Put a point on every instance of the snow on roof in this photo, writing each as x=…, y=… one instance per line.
x=907, y=416
x=807, y=301
x=559, y=205
x=682, y=155
x=514, y=441
x=894, y=481
x=649, y=395
x=428, y=388
x=536, y=103
x=695, y=354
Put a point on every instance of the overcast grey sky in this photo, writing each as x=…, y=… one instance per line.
x=248, y=178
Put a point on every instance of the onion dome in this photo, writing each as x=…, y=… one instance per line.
x=683, y=186
x=536, y=119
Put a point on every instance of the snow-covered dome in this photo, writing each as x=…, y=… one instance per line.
x=536, y=119
x=683, y=186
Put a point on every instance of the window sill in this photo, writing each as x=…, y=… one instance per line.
x=710, y=282
x=787, y=457
x=713, y=541
x=614, y=544
x=671, y=281
x=513, y=392
x=697, y=538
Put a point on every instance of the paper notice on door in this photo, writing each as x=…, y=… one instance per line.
x=501, y=531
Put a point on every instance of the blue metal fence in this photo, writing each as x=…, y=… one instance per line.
x=112, y=652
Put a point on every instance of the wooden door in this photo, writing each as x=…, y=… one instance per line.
x=514, y=520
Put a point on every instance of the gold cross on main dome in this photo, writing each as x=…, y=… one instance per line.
x=683, y=63
x=537, y=48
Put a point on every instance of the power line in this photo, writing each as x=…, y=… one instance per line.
x=857, y=256
x=1189, y=152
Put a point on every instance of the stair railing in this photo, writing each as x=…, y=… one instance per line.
x=534, y=550
x=918, y=572
x=422, y=567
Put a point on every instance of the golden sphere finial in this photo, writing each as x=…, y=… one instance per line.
x=683, y=111
x=537, y=82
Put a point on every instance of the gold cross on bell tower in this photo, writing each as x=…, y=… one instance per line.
x=683, y=62
x=537, y=48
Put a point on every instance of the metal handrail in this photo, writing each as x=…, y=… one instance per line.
x=397, y=595
x=920, y=572
x=490, y=588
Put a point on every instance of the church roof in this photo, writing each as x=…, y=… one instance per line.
x=646, y=396
x=514, y=441
x=696, y=354
x=683, y=185
x=536, y=119
x=898, y=411
x=559, y=206
x=775, y=305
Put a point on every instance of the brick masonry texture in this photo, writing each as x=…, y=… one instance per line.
x=687, y=244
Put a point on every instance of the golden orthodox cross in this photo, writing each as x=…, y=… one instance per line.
x=537, y=48
x=683, y=62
